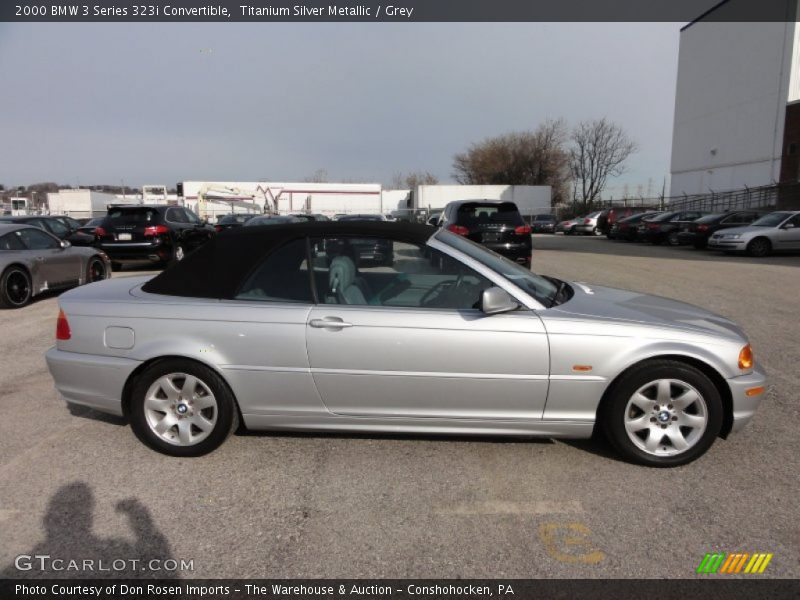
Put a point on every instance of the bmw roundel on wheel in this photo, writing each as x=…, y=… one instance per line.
x=296, y=327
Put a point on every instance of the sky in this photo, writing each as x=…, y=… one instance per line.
x=102, y=103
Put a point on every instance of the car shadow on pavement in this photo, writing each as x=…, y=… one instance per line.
x=84, y=412
x=72, y=550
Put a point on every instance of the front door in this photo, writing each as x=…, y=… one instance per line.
x=403, y=337
x=58, y=266
x=789, y=238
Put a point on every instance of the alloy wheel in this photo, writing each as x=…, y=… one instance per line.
x=666, y=417
x=18, y=288
x=180, y=409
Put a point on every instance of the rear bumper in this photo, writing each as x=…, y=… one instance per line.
x=727, y=244
x=744, y=406
x=585, y=228
x=520, y=253
x=137, y=251
x=90, y=380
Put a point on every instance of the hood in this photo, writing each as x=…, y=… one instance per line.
x=604, y=303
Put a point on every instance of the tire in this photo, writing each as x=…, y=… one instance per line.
x=96, y=270
x=759, y=247
x=158, y=401
x=672, y=239
x=16, y=288
x=641, y=405
x=596, y=231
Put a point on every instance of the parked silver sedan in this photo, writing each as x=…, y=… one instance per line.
x=282, y=328
x=775, y=232
x=33, y=261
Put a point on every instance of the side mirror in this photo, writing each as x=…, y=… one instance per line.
x=495, y=300
x=65, y=244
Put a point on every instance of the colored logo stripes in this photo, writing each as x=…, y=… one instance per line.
x=736, y=562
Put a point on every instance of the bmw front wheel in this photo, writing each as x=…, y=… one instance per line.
x=182, y=408
x=663, y=413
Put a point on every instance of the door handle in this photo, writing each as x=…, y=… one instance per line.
x=329, y=323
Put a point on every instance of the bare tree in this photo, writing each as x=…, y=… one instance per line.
x=319, y=176
x=413, y=179
x=599, y=151
x=522, y=158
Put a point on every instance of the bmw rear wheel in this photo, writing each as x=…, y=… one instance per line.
x=182, y=408
x=15, y=288
x=663, y=413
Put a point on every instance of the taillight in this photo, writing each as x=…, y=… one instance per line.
x=523, y=230
x=217, y=228
x=653, y=225
x=99, y=231
x=155, y=230
x=62, y=327
x=458, y=229
x=587, y=221
x=702, y=228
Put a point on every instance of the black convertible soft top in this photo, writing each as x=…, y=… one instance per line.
x=217, y=269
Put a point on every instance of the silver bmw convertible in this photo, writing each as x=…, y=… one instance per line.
x=310, y=326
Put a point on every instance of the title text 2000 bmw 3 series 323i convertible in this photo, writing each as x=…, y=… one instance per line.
x=297, y=328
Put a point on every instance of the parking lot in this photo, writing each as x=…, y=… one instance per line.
x=263, y=505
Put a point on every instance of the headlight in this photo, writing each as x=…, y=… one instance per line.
x=732, y=236
x=746, y=358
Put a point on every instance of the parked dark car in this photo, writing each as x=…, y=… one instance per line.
x=231, y=222
x=159, y=234
x=664, y=227
x=86, y=234
x=610, y=216
x=362, y=251
x=271, y=220
x=698, y=232
x=543, y=224
x=495, y=224
x=310, y=217
x=627, y=228
x=51, y=224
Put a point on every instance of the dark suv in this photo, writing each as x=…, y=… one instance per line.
x=159, y=234
x=495, y=224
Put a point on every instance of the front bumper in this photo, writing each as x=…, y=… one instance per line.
x=727, y=244
x=744, y=406
x=90, y=380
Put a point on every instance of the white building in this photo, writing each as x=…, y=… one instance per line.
x=736, y=114
x=80, y=203
x=286, y=197
x=530, y=199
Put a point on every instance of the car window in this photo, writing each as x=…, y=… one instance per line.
x=57, y=227
x=35, y=239
x=282, y=277
x=191, y=217
x=772, y=219
x=795, y=220
x=136, y=216
x=11, y=241
x=473, y=214
x=176, y=215
x=377, y=271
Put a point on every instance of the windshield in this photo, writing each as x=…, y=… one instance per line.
x=361, y=218
x=772, y=219
x=710, y=218
x=544, y=218
x=663, y=217
x=543, y=290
